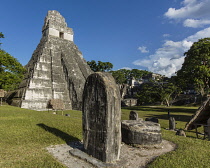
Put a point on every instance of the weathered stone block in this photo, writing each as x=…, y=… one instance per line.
x=101, y=115
x=180, y=132
x=141, y=132
x=172, y=123
x=133, y=115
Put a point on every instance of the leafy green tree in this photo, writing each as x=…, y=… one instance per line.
x=120, y=76
x=11, y=71
x=164, y=91
x=156, y=92
x=146, y=94
x=196, y=67
x=1, y=36
x=138, y=74
x=124, y=75
x=100, y=66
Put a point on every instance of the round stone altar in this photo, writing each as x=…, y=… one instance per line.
x=141, y=132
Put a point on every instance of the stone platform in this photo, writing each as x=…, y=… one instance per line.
x=130, y=157
x=141, y=132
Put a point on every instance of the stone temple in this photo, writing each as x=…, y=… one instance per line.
x=56, y=70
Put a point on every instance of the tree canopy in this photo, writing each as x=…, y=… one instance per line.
x=124, y=75
x=11, y=71
x=156, y=92
x=196, y=67
x=1, y=36
x=100, y=66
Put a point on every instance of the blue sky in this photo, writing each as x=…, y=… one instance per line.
x=143, y=34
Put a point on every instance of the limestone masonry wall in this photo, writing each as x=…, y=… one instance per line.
x=56, y=70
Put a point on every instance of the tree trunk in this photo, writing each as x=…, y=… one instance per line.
x=167, y=102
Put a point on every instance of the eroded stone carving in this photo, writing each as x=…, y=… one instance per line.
x=101, y=117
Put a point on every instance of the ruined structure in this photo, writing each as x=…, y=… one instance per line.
x=200, y=117
x=101, y=115
x=141, y=132
x=56, y=69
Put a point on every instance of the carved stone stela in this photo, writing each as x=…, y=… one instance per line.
x=101, y=117
x=56, y=69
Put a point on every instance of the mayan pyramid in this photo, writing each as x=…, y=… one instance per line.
x=56, y=70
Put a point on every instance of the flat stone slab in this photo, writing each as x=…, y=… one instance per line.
x=141, y=132
x=72, y=155
x=84, y=156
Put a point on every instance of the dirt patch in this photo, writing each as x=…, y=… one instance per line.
x=130, y=157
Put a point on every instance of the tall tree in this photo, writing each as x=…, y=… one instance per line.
x=100, y=66
x=11, y=71
x=121, y=76
x=124, y=75
x=1, y=36
x=138, y=74
x=196, y=67
x=156, y=92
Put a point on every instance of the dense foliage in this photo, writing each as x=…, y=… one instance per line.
x=11, y=71
x=1, y=36
x=122, y=76
x=100, y=66
x=154, y=91
x=196, y=67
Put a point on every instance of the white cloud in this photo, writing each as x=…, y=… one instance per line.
x=166, y=35
x=200, y=34
x=189, y=2
x=144, y=62
x=128, y=68
x=169, y=58
x=191, y=8
x=193, y=13
x=196, y=23
x=143, y=49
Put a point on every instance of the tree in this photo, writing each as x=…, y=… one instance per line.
x=164, y=91
x=100, y=66
x=196, y=67
x=121, y=76
x=1, y=36
x=156, y=92
x=124, y=75
x=138, y=74
x=145, y=94
x=11, y=71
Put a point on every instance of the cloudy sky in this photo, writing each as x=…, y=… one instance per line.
x=149, y=35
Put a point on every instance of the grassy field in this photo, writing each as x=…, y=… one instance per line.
x=24, y=135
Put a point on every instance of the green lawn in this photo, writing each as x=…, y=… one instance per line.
x=24, y=134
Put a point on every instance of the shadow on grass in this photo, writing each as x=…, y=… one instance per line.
x=179, y=113
x=64, y=136
x=162, y=109
x=183, y=118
